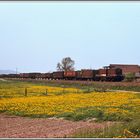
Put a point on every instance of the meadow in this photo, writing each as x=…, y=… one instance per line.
x=30, y=99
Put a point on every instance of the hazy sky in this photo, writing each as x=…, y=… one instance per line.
x=35, y=36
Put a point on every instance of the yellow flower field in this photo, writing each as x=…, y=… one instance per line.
x=108, y=102
x=45, y=101
x=33, y=90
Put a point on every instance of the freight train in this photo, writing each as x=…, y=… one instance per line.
x=105, y=74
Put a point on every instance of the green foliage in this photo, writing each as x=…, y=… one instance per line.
x=130, y=77
x=134, y=127
x=118, y=130
x=107, y=132
x=93, y=112
x=82, y=114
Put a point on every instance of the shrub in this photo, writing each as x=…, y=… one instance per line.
x=82, y=114
x=130, y=77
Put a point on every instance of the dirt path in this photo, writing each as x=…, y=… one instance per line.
x=127, y=91
x=1, y=79
x=21, y=127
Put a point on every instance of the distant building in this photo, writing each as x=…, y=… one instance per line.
x=126, y=68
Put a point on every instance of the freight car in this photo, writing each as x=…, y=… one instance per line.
x=3, y=75
x=78, y=75
x=24, y=75
x=47, y=76
x=13, y=76
x=58, y=75
x=9, y=76
x=29, y=75
x=34, y=75
x=101, y=75
x=88, y=74
x=70, y=75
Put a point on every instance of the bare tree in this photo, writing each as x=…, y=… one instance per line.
x=66, y=64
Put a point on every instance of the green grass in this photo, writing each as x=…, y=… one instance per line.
x=123, y=128
x=13, y=88
x=85, y=85
x=82, y=114
x=96, y=113
x=118, y=130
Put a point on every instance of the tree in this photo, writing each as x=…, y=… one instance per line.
x=66, y=64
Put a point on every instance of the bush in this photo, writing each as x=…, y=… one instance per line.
x=130, y=77
x=82, y=114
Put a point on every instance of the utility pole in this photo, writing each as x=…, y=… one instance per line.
x=16, y=70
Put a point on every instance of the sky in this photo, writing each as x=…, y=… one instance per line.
x=35, y=36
